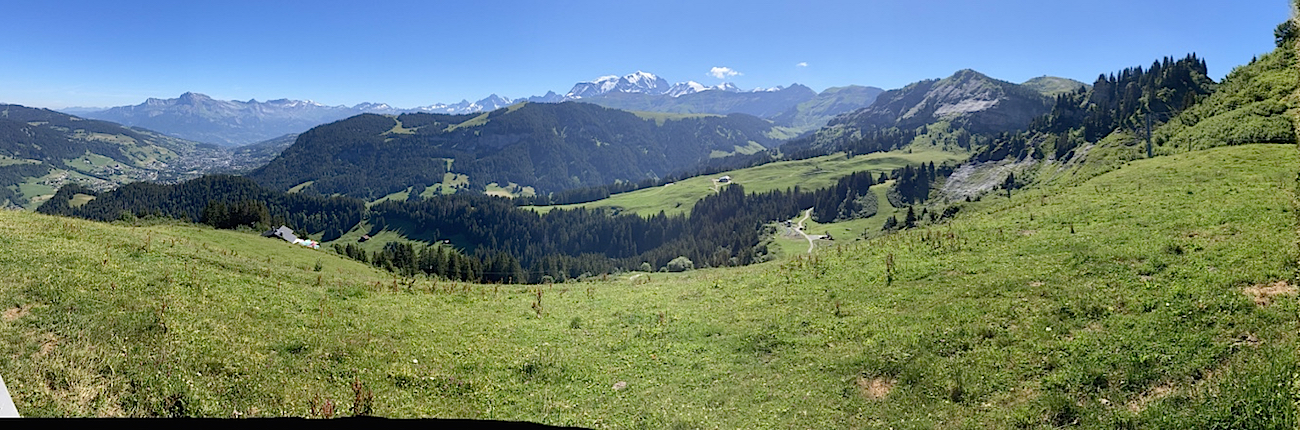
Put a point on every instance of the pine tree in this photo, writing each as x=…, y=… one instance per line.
x=891, y=224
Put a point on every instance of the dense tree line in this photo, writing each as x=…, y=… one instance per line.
x=231, y=215
x=505, y=243
x=725, y=229
x=220, y=199
x=1118, y=101
x=435, y=260
x=850, y=198
x=912, y=185
x=355, y=157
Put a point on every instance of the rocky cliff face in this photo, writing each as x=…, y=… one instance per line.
x=968, y=99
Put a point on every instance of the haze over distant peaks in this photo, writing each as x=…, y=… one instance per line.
x=489, y=103
x=644, y=83
x=201, y=118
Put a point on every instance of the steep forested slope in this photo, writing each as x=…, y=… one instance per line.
x=41, y=149
x=1251, y=105
x=551, y=147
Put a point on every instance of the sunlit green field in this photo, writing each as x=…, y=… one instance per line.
x=810, y=174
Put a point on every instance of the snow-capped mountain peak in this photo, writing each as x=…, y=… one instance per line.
x=490, y=103
x=639, y=82
x=642, y=79
x=683, y=88
x=691, y=87
x=726, y=86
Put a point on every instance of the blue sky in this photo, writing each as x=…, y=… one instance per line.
x=98, y=53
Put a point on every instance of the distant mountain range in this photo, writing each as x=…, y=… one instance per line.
x=796, y=107
x=200, y=118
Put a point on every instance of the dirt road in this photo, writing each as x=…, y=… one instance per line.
x=799, y=228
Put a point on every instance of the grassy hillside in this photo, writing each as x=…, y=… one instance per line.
x=809, y=174
x=1052, y=86
x=1121, y=302
x=1251, y=105
x=40, y=150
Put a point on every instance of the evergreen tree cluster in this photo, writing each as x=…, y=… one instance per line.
x=1017, y=146
x=912, y=185
x=1123, y=101
x=247, y=213
x=879, y=140
x=722, y=230
x=444, y=262
x=850, y=198
x=222, y=199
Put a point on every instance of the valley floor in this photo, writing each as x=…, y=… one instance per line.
x=1157, y=295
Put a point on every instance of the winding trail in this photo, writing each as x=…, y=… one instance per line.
x=799, y=228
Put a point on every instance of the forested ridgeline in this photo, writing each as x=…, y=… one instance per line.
x=725, y=229
x=219, y=200
x=1115, y=102
x=550, y=147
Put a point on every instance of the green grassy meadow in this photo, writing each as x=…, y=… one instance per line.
x=1118, y=302
x=810, y=174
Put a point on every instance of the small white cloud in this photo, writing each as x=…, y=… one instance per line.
x=802, y=64
x=723, y=72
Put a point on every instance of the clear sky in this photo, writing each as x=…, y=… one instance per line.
x=412, y=53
